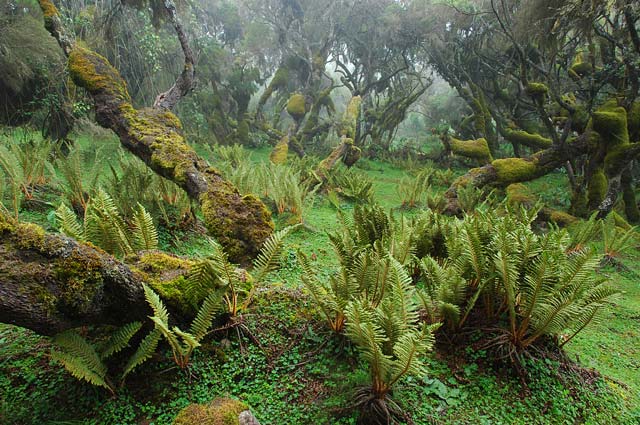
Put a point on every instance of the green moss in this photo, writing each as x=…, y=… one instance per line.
x=476, y=149
x=49, y=10
x=580, y=70
x=221, y=411
x=597, y=190
x=352, y=154
x=347, y=127
x=94, y=72
x=7, y=224
x=296, y=106
x=82, y=272
x=535, y=141
x=30, y=236
x=612, y=126
x=519, y=194
x=279, y=153
x=561, y=218
x=166, y=274
x=242, y=132
x=241, y=235
x=161, y=131
x=279, y=81
x=514, y=170
x=579, y=119
x=618, y=157
x=537, y=90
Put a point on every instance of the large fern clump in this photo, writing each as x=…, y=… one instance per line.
x=104, y=226
x=499, y=274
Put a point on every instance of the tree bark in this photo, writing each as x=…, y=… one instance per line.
x=503, y=172
x=50, y=283
x=240, y=223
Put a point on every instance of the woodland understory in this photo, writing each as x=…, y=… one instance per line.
x=300, y=211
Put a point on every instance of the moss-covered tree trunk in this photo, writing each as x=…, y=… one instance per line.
x=50, y=283
x=503, y=172
x=240, y=223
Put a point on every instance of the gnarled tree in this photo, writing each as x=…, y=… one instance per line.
x=240, y=223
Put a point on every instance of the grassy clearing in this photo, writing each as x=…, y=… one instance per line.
x=302, y=374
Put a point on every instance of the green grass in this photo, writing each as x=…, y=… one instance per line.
x=301, y=374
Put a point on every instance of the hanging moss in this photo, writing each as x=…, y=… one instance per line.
x=597, y=190
x=535, y=141
x=279, y=153
x=347, y=127
x=279, y=81
x=221, y=411
x=514, y=170
x=296, y=106
x=476, y=149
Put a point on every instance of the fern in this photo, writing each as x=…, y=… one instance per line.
x=119, y=340
x=80, y=358
x=79, y=369
x=68, y=223
x=145, y=235
x=269, y=256
x=145, y=351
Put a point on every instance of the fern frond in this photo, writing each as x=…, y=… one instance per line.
x=68, y=223
x=270, y=254
x=145, y=235
x=201, y=324
x=79, y=369
x=159, y=310
x=144, y=352
x=120, y=339
x=73, y=344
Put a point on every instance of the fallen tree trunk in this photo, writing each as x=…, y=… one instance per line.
x=50, y=282
x=240, y=223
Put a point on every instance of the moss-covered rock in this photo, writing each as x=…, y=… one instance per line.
x=476, y=149
x=296, y=106
x=514, y=170
x=279, y=153
x=221, y=411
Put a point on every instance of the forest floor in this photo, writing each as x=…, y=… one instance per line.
x=301, y=374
